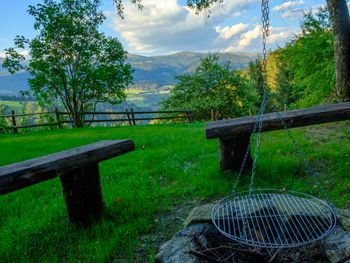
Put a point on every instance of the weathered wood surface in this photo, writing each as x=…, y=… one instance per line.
x=293, y=118
x=233, y=151
x=19, y=175
x=83, y=195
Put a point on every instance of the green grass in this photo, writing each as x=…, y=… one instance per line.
x=149, y=191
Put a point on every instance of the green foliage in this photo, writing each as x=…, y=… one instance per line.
x=200, y=5
x=70, y=59
x=307, y=63
x=212, y=92
x=3, y=120
x=255, y=77
x=120, y=6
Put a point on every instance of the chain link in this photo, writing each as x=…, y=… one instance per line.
x=260, y=119
x=259, y=122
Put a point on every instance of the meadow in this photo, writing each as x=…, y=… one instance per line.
x=149, y=192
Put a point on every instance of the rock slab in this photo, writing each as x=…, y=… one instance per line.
x=200, y=214
x=175, y=250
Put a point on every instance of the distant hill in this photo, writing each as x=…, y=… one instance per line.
x=150, y=73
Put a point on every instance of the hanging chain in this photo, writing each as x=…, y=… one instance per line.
x=265, y=11
x=310, y=170
x=259, y=122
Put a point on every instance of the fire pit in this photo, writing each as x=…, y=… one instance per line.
x=273, y=218
x=201, y=242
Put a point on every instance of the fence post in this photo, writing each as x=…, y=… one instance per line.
x=128, y=116
x=14, y=124
x=59, y=125
x=133, y=116
x=189, y=116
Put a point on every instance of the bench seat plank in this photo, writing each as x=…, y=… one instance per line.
x=294, y=118
x=19, y=175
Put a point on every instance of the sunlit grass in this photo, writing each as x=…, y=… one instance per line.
x=173, y=165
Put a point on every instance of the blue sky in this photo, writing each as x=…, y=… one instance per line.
x=169, y=26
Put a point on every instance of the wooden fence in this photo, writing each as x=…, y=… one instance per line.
x=128, y=117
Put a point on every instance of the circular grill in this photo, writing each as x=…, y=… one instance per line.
x=273, y=218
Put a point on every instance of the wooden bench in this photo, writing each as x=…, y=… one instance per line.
x=79, y=174
x=234, y=134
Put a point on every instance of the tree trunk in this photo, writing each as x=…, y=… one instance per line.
x=78, y=120
x=340, y=18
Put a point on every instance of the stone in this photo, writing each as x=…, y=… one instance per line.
x=344, y=218
x=200, y=214
x=175, y=250
x=337, y=245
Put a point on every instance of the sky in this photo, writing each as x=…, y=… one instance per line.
x=168, y=26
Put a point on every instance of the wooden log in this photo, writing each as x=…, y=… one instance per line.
x=232, y=152
x=83, y=195
x=23, y=174
x=128, y=116
x=293, y=118
x=189, y=117
x=14, y=124
x=133, y=116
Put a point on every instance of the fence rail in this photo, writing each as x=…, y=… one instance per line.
x=129, y=117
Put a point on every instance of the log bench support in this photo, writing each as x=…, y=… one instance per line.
x=232, y=152
x=83, y=194
x=234, y=134
x=79, y=174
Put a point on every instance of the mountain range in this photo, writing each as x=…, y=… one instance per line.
x=150, y=72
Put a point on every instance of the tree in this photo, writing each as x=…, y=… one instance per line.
x=212, y=92
x=307, y=62
x=70, y=59
x=339, y=14
x=255, y=77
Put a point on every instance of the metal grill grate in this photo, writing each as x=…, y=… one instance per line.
x=273, y=218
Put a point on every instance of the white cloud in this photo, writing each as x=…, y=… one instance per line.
x=22, y=52
x=230, y=31
x=166, y=26
x=248, y=37
x=287, y=5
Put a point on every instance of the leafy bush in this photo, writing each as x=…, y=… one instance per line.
x=213, y=91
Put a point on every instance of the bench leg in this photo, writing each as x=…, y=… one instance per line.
x=233, y=151
x=83, y=195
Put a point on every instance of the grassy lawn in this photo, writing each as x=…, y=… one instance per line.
x=148, y=192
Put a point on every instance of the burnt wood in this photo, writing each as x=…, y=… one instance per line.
x=293, y=118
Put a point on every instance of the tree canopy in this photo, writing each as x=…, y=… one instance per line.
x=70, y=59
x=212, y=91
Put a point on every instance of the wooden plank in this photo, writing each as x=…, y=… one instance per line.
x=34, y=125
x=30, y=172
x=293, y=118
x=27, y=114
